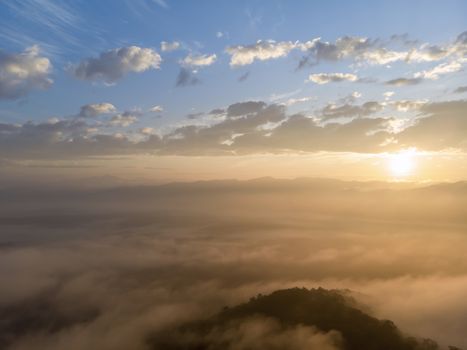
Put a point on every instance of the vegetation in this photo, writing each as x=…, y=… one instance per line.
x=325, y=310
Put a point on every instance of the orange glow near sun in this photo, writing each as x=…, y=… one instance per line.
x=402, y=164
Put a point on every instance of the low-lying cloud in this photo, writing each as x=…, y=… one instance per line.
x=106, y=269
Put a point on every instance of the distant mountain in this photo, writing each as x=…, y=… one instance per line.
x=328, y=312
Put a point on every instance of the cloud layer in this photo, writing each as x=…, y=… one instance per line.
x=107, y=268
x=249, y=127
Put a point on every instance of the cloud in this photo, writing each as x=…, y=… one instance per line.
x=169, y=46
x=324, y=78
x=23, y=72
x=404, y=81
x=408, y=105
x=124, y=119
x=294, y=101
x=253, y=128
x=147, y=131
x=460, y=89
x=217, y=111
x=388, y=94
x=427, y=53
x=361, y=50
x=441, y=125
x=244, y=108
x=256, y=332
x=332, y=111
x=358, y=48
x=86, y=289
x=186, y=78
x=243, y=77
x=261, y=51
x=194, y=115
x=249, y=127
x=199, y=61
x=156, y=109
x=441, y=69
x=95, y=109
x=113, y=64
x=431, y=74
x=161, y=3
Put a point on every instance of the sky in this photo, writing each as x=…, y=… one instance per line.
x=160, y=90
x=332, y=136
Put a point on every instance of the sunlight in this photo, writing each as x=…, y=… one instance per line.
x=402, y=164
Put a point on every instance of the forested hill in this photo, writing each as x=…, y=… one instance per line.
x=330, y=314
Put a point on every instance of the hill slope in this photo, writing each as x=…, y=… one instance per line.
x=328, y=314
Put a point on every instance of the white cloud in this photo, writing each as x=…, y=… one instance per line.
x=441, y=69
x=199, y=61
x=261, y=50
x=20, y=73
x=427, y=53
x=388, y=94
x=95, y=109
x=156, y=109
x=408, y=105
x=113, y=64
x=324, y=78
x=293, y=101
x=167, y=47
x=382, y=56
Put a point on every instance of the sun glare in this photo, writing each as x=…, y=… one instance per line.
x=402, y=164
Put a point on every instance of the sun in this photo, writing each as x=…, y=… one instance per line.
x=402, y=164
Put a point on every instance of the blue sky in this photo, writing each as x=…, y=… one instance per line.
x=86, y=28
x=60, y=56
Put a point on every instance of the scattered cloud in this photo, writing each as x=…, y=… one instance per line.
x=124, y=119
x=244, y=108
x=20, y=73
x=388, y=94
x=261, y=51
x=156, y=109
x=161, y=3
x=357, y=48
x=199, y=60
x=186, y=78
x=194, y=115
x=113, y=64
x=95, y=109
x=441, y=69
x=169, y=46
x=243, y=77
x=408, y=105
x=147, y=131
x=324, y=78
x=404, y=81
x=460, y=89
x=294, y=101
x=332, y=111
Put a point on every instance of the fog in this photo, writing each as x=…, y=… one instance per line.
x=104, y=269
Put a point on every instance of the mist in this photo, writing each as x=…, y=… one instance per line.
x=84, y=268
